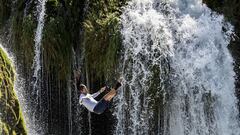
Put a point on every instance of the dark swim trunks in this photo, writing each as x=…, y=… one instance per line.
x=101, y=106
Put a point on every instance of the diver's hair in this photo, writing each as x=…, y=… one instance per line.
x=82, y=86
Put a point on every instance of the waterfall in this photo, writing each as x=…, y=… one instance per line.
x=19, y=89
x=37, y=66
x=38, y=38
x=176, y=50
x=144, y=50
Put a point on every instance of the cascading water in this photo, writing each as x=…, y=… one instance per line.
x=38, y=38
x=145, y=49
x=198, y=90
x=202, y=95
x=37, y=64
x=19, y=88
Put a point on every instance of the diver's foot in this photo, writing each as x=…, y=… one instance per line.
x=119, y=83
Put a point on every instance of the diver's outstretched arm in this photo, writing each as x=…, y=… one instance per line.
x=110, y=95
x=94, y=95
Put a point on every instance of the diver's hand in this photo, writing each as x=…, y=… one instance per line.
x=102, y=89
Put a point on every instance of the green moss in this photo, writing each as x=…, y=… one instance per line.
x=57, y=47
x=61, y=33
x=22, y=38
x=27, y=40
x=10, y=113
x=53, y=2
x=102, y=36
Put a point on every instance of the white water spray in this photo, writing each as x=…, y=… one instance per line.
x=38, y=38
x=19, y=87
x=37, y=66
x=145, y=49
x=193, y=41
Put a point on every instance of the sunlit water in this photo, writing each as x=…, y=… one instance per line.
x=38, y=38
x=37, y=65
x=199, y=96
x=19, y=87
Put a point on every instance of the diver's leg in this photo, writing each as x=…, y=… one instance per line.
x=104, y=102
x=101, y=106
x=110, y=95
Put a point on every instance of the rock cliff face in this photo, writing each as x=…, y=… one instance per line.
x=11, y=118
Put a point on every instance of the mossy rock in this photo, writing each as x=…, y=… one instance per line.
x=11, y=118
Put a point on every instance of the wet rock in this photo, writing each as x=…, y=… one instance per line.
x=11, y=118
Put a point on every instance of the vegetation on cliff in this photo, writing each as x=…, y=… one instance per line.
x=11, y=118
x=102, y=36
x=73, y=29
x=92, y=26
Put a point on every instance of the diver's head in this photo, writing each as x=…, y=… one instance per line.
x=83, y=89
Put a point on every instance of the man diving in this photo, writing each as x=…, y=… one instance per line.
x=87, y=100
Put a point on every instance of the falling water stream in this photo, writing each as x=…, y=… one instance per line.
x=191, y=41
x=178, y=69
x=37, y=64
x=19, y=89
x=38, y=38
